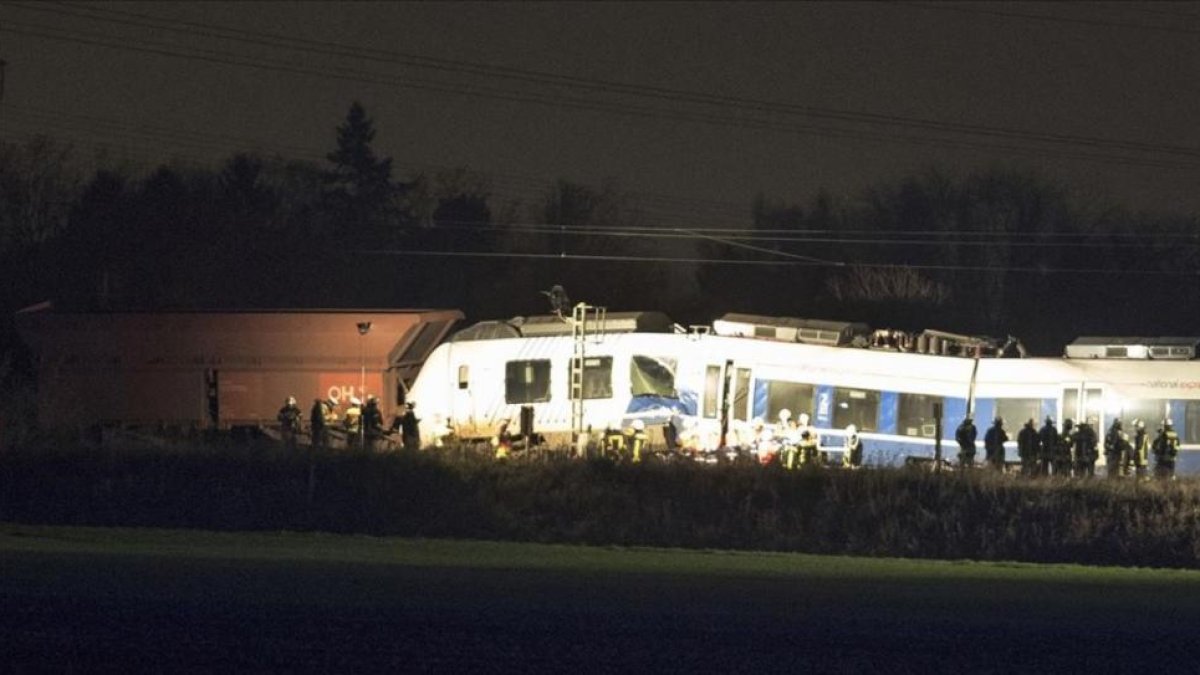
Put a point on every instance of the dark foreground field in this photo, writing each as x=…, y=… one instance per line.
x=88, y=600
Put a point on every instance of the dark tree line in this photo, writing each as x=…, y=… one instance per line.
x=994, y=252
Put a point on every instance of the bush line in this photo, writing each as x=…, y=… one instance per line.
x=884, y=512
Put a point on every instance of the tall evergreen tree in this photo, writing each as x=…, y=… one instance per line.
x=359, y=185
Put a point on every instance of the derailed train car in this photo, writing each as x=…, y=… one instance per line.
x=711, y=382
x=200, y=370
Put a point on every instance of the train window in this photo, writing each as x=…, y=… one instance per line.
x=1191, y=424
x=741, y=394
x=527, y=381
x=1016, y=411
x=914, y=416
x=463, y=376
x=712, y=387
x=1152, y=411
x=1070, y=405
x=1093, y=405
x=597, y=376
x=796, y=397
x=652, y=376
x=859, y=407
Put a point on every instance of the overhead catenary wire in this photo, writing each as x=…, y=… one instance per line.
x=631, y=109
x=593, y=84
x=1132, y=271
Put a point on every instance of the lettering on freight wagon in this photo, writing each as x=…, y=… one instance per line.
x=341, y=386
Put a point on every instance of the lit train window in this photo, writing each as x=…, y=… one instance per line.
x=914, y=416
x=859, y=407
x=597, y=376
x=463, y=379
x=1016, y=410
x=796, y=397
x=1152, y=411
x=741, y=394
x=527, y=381
x=1191, y=423
x=652, y=376
x=712, y=385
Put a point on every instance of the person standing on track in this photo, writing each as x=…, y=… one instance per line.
x=965, y=436
x=1166, y=449
x=1140, y=451
x=1086, y=449
x=993, y=445
x=1029, y=448
x=1048, y=445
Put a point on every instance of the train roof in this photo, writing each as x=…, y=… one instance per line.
x=550, y=325
x=1092, y=347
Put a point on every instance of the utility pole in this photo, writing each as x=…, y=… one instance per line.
x=364, y=327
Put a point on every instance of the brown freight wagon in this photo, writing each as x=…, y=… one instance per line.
x=198, y=370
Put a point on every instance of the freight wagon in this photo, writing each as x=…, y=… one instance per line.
x=200, y=370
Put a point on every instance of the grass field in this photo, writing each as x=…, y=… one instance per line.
x=95, y=599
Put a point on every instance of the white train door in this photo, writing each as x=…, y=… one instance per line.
x=1082, y=401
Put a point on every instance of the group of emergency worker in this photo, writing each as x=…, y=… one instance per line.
x=361, y=424
x=794, y=443
x=1075, y=449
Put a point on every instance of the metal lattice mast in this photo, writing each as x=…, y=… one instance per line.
x=579, y=316
x=586, y=320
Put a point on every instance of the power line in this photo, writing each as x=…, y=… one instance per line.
x=606, y=86
x=624, y=109
x=643, y=90
x=1047, y=18
x=769, y=263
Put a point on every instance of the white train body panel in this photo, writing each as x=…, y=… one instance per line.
x=888, y=394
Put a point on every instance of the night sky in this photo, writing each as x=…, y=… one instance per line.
x=695, y=108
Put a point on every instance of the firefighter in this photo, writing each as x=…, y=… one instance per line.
x=1086, y=448
x=289, y=421
x=853, y=456
x=993, y=444
x=793, y=435
x=1064, y=456
x=614, y=442
x=810, y=452
x=1166, y=449
x=352, y=423
x=1116, y=448
x=1029, y=448
x=1140, y=450
x=320, y=418
x=965, y=436
x=1048, y=446
x=502, y=441
x=410, y=427
x=372, y=421
x=637, y=440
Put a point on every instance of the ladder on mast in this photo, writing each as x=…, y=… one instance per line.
x=586, y=321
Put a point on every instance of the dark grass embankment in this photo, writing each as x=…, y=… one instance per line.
x=869, y=512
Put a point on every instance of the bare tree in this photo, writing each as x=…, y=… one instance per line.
x=887, y=284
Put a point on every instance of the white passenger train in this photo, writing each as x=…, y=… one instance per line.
x=712, y=382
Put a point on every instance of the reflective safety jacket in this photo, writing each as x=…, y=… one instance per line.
x=853, y=456
x=637, y=444
x=353, y=420
x=1141, y=448
x=1166, y=446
